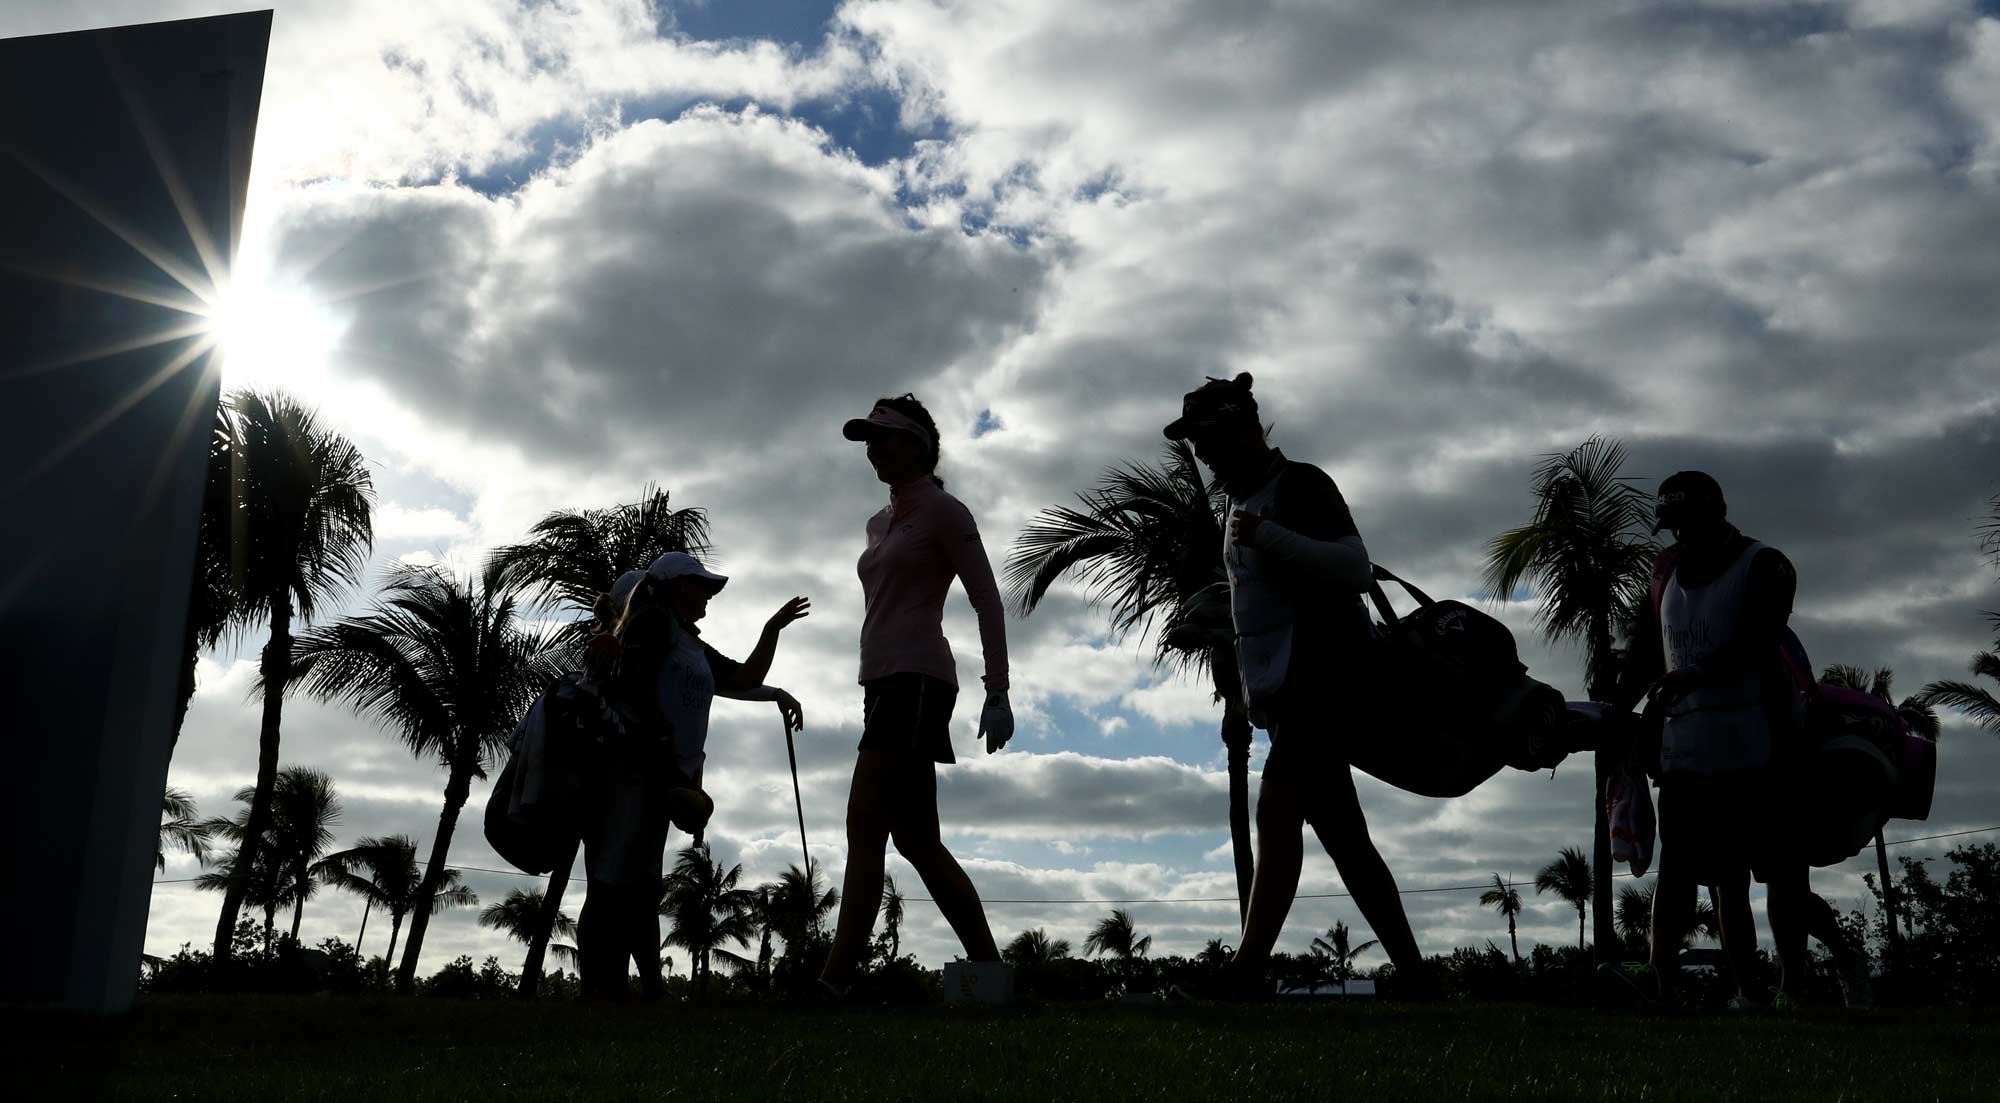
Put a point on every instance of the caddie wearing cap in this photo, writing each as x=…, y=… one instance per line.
x=1297, y=569
x=1708, y=651
x=664, y=679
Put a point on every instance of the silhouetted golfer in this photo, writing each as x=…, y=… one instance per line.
x=917, y=544
x=664, y=678
x=1297, y=570
x=1708, y=652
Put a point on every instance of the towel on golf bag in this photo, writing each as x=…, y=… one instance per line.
x=1634, y=824
x=1863, y=766
x=535, y=811
x=1460, y=702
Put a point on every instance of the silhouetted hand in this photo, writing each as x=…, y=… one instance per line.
x=996, y=720
x=788, y=707
x=796, y=609
x=1243, y=526
x=1676, y=685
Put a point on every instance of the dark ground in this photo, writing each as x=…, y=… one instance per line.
x=378, y=1048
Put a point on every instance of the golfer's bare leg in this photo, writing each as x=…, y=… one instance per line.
x=1343, y=830
x=1280, y=852
x=1739, y=927
x=646, y=945
x=1823, y=923
x=1673, y=910
x=1786, y=903
x=914, y=826
x=867, y=839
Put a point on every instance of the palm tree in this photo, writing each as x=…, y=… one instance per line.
x=1588, y=553
x=892, y=916
x=393, y=883
x=304, y=810
x=1148, y=542
x=708, y=910
x=181, y=828
x=1635, y=916
x=1568, y=877
x=301, y=533
x=1338, y=956
x=520, y=915
x=1115, y=935
x=765, y=919
x=570, y=558
x=1215, y=954
x=1503, y=897
x=213, y=602
x=799, y=904
x=260, y=878
x=446, y=663
x=1922, y=719
x=1034, y=947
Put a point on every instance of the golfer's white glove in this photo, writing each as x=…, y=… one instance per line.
x=996, y=720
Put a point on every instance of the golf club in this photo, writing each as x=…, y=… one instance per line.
x=792, y=755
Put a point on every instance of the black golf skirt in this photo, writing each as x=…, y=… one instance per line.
x=908, y=715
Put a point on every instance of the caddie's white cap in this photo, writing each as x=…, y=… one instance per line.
x=682, y=565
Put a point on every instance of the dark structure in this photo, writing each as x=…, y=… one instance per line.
x=124, y=159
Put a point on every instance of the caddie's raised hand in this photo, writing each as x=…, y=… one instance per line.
x=788, y=707
x=1243, y=526
x=996, y=720
x=794, y=610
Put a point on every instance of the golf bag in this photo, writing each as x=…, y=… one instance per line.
x=535, y=812
x=1863, y=766
x=1456, y=702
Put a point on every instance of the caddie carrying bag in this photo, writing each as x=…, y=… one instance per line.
x=1452, y=703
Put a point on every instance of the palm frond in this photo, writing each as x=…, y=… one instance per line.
x=1145, y=542
x=1965, y=697
x=572, y=556
x=1587, y=551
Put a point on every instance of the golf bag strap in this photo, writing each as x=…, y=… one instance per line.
x=1381, y=599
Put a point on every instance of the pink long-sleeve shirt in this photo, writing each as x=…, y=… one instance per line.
x=917, y=544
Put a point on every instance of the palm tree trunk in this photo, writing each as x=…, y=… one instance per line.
x=1605, y=761
x=1889, y=902
x=545, y=924
x=1600, y=870
x=456, y=788
x=1579, y=928
x=1236, y=736
x=298, y=908
x=276, y=664
x=367, y=906
x=395, y=932
x=1514, y=940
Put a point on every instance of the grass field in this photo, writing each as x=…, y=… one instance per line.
x=374, y=1049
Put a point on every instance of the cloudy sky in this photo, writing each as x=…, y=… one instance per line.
x=534, y=255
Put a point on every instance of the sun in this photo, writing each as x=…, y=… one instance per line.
x=272, y=332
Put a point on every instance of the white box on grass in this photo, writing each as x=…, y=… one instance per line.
x=978, y=982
